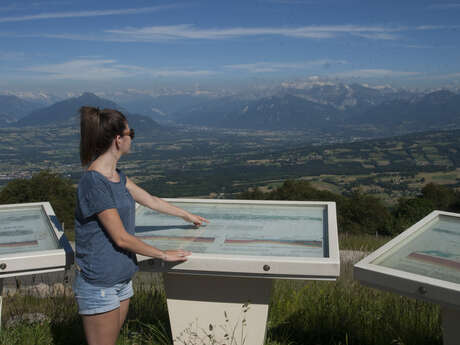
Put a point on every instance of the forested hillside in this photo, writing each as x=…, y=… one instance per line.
x=360, y=213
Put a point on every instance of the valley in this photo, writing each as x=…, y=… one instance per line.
x=341, y=137
x=209, y=162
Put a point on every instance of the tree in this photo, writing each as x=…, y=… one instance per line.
x=302, y=190
x=434, y=197
x=442, y=197
x=359, y=214
x=253, y=194
x=411, y=210
x=363, y=213
x=45, y=186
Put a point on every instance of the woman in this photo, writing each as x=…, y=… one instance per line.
x=104, y=226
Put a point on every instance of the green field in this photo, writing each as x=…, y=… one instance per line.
x=209, y=163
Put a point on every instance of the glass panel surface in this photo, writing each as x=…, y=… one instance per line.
x=239, y=229
x=433, y=251
x=25, y=229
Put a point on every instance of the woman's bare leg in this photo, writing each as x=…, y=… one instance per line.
x=124, y=305
x=102, y=329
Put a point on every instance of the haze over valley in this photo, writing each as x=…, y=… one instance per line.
x=341, y=137
x=342, y=109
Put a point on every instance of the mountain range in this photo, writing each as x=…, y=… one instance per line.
x=13, y=108
x=303, y=105
x=434, y=110
x=65, y=113
x=270, y=113
x=330, y=108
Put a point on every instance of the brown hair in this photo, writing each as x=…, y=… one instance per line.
x=98, y=128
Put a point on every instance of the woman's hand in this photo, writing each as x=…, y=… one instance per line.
x=160, y=205
x=175, y=255
x=192, y=218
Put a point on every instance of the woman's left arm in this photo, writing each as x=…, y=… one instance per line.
x=146, y=199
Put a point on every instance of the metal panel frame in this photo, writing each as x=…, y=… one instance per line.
x=406, y=283
x=253, y=266
x=42, y=261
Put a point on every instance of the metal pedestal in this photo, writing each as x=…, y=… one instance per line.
x=1, y=300
x=223, y=309
x=450, y=325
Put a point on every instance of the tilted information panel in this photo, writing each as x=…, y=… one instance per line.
x=424, y=261
x=266, y=238
x=31, y=240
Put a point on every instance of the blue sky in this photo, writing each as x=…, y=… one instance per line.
x=78, y=45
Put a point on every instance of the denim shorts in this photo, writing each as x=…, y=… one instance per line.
x=92, y=299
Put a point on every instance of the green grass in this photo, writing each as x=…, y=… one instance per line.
x=301, y=312
x=363, y=243
x=345, y=312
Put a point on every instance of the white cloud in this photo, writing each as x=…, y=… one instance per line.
x=259, y=67
x=290, y=2
x=93, y=13
x=191, y=32
x=448, y=76
x=437, y=27
x=96, y=68
x=375, y=73
x=187, y=31
x=104, y=69
x=179, y=73
x=426, y=46
x=72, y=37
x=32, y=5
x=446, y=6
x=80, y=69
x=378, y=36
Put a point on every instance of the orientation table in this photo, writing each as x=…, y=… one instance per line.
x=226, y=282
x=422, y=262
x=32, y=241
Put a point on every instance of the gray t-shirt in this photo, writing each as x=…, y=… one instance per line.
x=101, y=261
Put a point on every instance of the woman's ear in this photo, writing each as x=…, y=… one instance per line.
x=117, y=141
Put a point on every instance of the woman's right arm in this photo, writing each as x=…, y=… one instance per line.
x=111, y=221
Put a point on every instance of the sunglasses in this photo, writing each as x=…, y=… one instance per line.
x=130, y=133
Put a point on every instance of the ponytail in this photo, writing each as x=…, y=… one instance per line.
x=98, y=128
